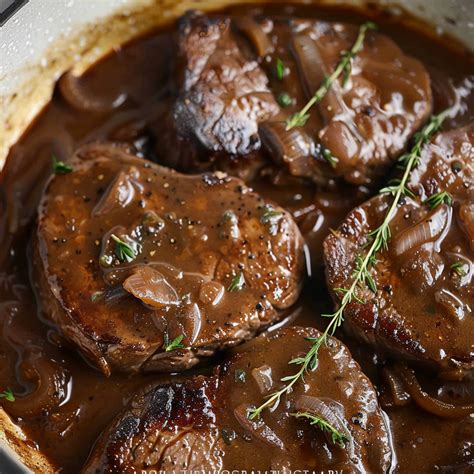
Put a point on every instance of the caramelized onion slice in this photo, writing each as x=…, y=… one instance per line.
x=312, y=69
x=290, y=146
x=255, y=34
x=427, y=402
x=257, y=428
x=75, y=96
x=451, y=303
x=263, y=377
x=119, y=194
x=51, y=386
x=151, y=287
x=399, y=395
x=328, y=410
x=432, y=229
x=311, y=66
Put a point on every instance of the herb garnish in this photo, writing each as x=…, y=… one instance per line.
x=124, y=251
x=458, y=268
x=284, y=99
x=59, y=167
x=343, y=67
x=8, y=395
x=237, y=282
x=439, y=198
x=270, y=218
x=337, y=437
x=280, y=69
x=329, y=157
x=361, y=274
x=96, y=296
x=174, y=344
x=240, y=376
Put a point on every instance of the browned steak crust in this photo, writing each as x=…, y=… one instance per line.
x=202, y=423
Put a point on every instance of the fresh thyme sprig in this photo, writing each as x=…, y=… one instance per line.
x=174, y=344
x=124, y=251
x=336, y=436
x=361, y=274
x=343, y=67
x=8, y=395
x=439, y=198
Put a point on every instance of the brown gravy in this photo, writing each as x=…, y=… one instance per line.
x=29, y=349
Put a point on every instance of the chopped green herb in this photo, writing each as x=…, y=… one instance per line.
x=174, y=344
x=284, y=99
x=280, y=69
x=59, y=167
x=270, y=218
x=439, y=198
x=97, y=296
x=7, y=395
x=124, y=251
x=330, y=158
x=337, y=437
x=228, y=435
x=237, y=282
x=458, y=268
x=240, y=376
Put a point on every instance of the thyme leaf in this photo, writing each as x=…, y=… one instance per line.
x=125, y=252
x=439, y=198
x=458, y=268
x=284, y=99
x=343, y=67
x=237, y=282
x=337, y=437
x=174, y=344
x=280, y=69
x=8, y=395
x=59, y=167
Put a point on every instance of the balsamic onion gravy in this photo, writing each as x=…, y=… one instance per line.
x=246, y=241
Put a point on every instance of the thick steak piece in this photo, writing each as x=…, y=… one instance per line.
x=359, y=128
x=130, y=256
x=224, y=93
x=423, y=308
x=202, y=424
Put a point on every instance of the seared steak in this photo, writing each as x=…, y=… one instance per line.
x=202, y=424
x=425, y=299
x=130, y=257
x=358, y=129
x=225, y=105
x=224, y=94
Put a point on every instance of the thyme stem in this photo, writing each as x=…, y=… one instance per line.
x=361, y=274
x=343, y=67
x=337, y=437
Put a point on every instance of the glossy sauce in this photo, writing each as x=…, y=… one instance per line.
x=30, y=348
